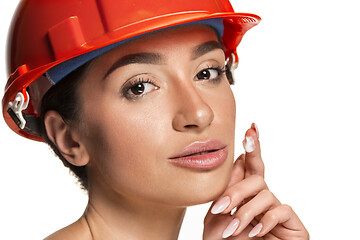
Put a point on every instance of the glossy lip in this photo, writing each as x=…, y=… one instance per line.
x=216, y=154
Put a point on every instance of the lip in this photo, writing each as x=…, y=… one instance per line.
x=213, y=154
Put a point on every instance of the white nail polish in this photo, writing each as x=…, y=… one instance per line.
x=221, y=205
x=233, y=225
x=249, y=144
x=256, y=230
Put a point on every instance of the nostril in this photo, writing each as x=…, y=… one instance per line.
x=190, y=126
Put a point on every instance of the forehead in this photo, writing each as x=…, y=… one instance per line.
x=172, y=39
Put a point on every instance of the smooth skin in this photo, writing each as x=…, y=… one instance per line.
x=125, y=138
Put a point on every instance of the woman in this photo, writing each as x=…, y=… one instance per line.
x=136, y=101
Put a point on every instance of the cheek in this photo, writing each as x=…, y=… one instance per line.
x=124, y=144
x=117, y=126
x=224, y=108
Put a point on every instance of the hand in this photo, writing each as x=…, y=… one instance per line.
x=259, y=214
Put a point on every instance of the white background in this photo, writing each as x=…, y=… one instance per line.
x=297, y=79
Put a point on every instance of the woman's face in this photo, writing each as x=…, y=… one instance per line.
x=146, y=101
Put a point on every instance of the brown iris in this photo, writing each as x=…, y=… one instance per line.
x=138, y=89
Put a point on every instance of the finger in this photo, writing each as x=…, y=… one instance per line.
x=253, y=224
x=237, y=175
x=253, y=162
x=255, y=127
x=261, y=203
x=238, y=172
x=283, y=215
x=236, y=194
x=244, y=235
x=214, y=226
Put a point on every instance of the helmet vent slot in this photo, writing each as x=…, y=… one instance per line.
x=246, y=20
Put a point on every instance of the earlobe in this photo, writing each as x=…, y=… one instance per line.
x=66, y=139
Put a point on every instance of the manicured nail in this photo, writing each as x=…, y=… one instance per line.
x=249, y=144
x=254, y=126
x=220, y=205
x=230, y=229
x=256, y=230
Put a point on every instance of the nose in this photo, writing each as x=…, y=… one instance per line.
x=193, y=113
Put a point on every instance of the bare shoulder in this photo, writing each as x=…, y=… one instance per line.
x=79, y=230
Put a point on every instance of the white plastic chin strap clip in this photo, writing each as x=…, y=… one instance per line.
x=18, y=105
x=232, y=65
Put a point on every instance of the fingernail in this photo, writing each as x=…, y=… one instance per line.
x=254, y=125
x=256, y=230
x=249, y=144
x=230, y=229
x=220, y=205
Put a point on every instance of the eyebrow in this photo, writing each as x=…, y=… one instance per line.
x=206, y=47
x=157, y=58
x=144, y=57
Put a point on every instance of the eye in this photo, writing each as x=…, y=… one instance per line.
x=210, y=73
x=139, y=88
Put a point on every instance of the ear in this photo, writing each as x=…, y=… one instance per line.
x=66, y=139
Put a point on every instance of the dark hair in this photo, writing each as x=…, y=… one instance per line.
x=63, y=99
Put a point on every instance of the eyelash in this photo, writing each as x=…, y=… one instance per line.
x=134, y=83
x=219, y=69
x=125, y=91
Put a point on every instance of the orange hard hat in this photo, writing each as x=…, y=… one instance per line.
x=47, y=35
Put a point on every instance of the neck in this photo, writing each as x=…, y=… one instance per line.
x=120, y=217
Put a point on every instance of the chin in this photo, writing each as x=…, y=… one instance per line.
x=204, y=186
